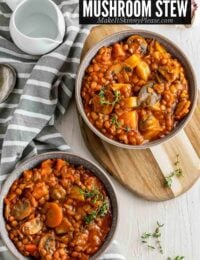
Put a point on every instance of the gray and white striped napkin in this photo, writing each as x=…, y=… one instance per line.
x=44, y=87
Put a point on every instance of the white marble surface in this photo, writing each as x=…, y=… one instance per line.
x=181, y=216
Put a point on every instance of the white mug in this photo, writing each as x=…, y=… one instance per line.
x=36, y=26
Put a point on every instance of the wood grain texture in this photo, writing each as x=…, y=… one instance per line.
x=144, y=171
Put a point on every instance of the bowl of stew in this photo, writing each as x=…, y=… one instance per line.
x=58, y=206
x=136, y=89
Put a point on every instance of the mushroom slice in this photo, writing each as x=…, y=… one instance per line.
x=147, y=97
x=140, y=43
x=47, y=244
x=32, y=227
x=170, y=72
x=22, y=209
x=58, y=192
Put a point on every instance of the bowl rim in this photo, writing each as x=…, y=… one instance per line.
x=14, y=73
x=108, y=40
x=36, y=160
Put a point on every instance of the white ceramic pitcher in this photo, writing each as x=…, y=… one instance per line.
x=36, y=26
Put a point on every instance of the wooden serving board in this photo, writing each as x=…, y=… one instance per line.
x=144, y=171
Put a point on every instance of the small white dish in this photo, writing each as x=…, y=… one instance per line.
x=37, y=27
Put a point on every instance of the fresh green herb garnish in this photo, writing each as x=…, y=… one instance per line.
x=168, y=180
x=100, y=212
x=151, y=247
x=115, y=122
x=155, y=235
x=176, y=258
x=103, y=210
x=102, y=93
x=127, y=129
x=144, y=241
x=103, y=100
x=118, y=124
x=89, y=193
x=177, y=160
x=117, y=97
x=145, y=235
x=94, y=194
x=90, y=217
x=178, y=172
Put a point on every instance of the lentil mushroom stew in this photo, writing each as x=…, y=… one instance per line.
x=134, y=91
x=58, y=211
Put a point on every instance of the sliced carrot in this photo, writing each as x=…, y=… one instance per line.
x=31, y=248
x=59, y=164
x=54, y=215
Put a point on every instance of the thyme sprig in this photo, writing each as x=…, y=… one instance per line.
x=100, y=212
x=93, y=194
x=115, y=122
x=127, y=129
x=103, y=100
x=103, y=210
x=155, y=235
x=90, y=217
x=178, y=172
x=176, y=258
x=118, y=124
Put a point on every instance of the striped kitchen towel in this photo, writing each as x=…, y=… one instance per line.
x=44, y=87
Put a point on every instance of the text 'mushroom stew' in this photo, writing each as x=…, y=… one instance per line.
x=57, y=211
x=135, y=91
